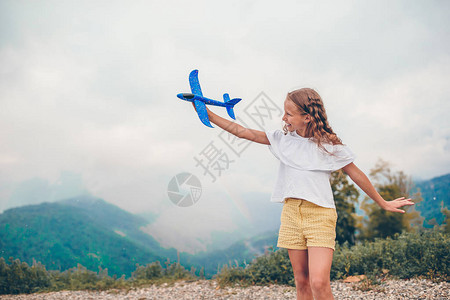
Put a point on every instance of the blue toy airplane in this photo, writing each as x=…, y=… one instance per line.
x=200, y=102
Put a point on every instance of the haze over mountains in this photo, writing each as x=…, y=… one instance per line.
x=95, y=233
x=436, y=194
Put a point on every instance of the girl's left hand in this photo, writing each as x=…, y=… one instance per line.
x=395, y=204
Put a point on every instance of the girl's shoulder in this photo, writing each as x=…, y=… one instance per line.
x=305, y=154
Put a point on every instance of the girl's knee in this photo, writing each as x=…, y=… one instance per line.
x=301, y=281
x=319, y=284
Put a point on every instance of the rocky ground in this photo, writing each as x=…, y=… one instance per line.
x=208, y=289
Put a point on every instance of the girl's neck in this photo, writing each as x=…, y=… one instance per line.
x=301, y=133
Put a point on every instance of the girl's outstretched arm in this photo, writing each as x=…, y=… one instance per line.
x=238, y=130
x=364, y=183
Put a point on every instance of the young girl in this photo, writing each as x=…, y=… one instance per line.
x=308, y=151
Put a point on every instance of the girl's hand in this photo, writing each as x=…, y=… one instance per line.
x=395, y=204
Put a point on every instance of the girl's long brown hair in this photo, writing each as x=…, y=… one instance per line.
x=309, y=102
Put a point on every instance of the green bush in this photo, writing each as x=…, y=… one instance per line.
x=155, y=272
x=148, y=272
x=80, y=278
x=18, y=277
x=175, y=271
x=406, y=255
x=273, y=267
x=229, y=275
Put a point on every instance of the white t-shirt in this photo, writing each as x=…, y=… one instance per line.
x=305, y=169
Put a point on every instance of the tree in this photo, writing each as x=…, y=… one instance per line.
x=4, y=270
x=345, y=196
x=446, y=223
x=18, y=277
x=390, y=185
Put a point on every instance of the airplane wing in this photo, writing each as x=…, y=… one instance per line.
x=195, y=84
x=202, y=113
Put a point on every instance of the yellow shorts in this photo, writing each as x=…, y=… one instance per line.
x=305, y=224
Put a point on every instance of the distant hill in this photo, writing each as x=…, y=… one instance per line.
x=83, y=230
x=89, y=231
x=239, y=253
x=95, y=233
x=435, y=193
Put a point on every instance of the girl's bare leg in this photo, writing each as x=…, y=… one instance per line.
x=299, y=262
x=319, y=261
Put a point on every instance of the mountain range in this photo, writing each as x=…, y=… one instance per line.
x=89, y=231
x=92, y=232
x=436, y=195
x=81, y=230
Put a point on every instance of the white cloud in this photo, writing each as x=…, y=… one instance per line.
x=90, y=88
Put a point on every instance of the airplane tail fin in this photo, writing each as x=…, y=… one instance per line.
x=229, y=104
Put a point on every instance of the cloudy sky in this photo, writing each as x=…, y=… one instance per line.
x=87, y=97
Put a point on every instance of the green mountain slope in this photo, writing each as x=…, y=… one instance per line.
x=435, y=193
x=239, y=253
x=94, y=233
x=120, y=221
x=84, y=230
